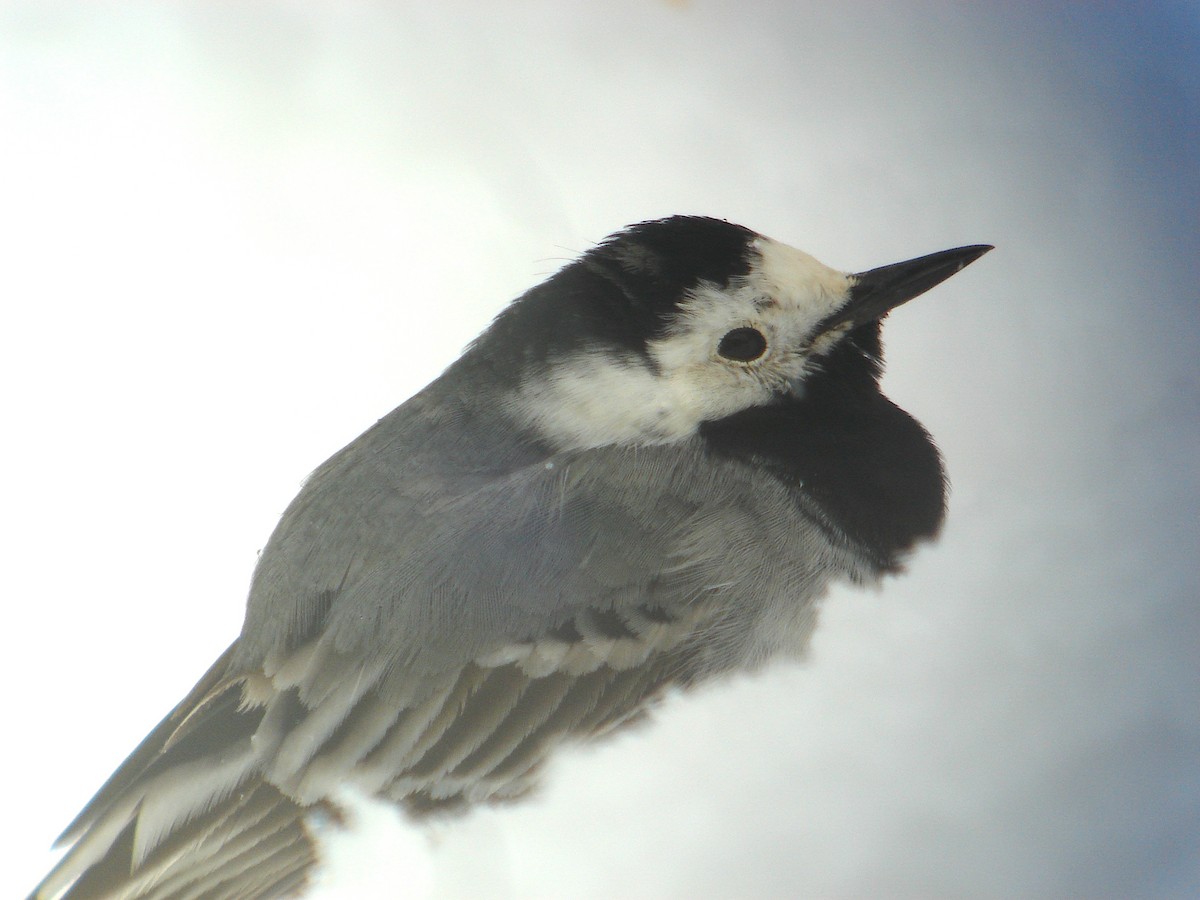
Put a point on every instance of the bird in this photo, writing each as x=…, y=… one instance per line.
x=643, y=475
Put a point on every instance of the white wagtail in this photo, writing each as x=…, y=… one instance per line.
x=643, y=474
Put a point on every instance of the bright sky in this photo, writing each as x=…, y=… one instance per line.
x=235, y=235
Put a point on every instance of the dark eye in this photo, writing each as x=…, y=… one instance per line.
x=743, y=344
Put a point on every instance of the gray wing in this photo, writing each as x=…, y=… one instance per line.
x=430, y=639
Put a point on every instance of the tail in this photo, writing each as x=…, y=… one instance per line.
x=188, y=814
x=215, y=803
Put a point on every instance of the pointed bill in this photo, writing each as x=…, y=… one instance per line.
x=875, y=293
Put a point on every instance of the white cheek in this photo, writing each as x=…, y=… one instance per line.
x=591, y=400
x=715, y=390
x=697, y=379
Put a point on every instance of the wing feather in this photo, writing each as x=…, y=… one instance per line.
x=445, y=638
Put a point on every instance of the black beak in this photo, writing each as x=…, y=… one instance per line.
x=875, y=293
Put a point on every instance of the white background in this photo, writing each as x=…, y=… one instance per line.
x=234, y=235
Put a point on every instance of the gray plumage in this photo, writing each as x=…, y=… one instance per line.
x=644, y=474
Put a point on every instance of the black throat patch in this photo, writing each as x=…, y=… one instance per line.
x=866, y=463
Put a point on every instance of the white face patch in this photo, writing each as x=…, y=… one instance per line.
x=798, y=281
x=593, y=398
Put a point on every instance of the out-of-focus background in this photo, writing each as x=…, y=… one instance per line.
x=232, y=236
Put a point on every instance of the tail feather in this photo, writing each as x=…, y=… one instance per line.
x=188, y=810
x=147, y=753
x=253, y=845
x=264, y=847
x=216, y=803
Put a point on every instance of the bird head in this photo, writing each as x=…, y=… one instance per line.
x=677, y=322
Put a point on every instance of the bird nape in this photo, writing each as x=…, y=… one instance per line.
x=644, y=474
